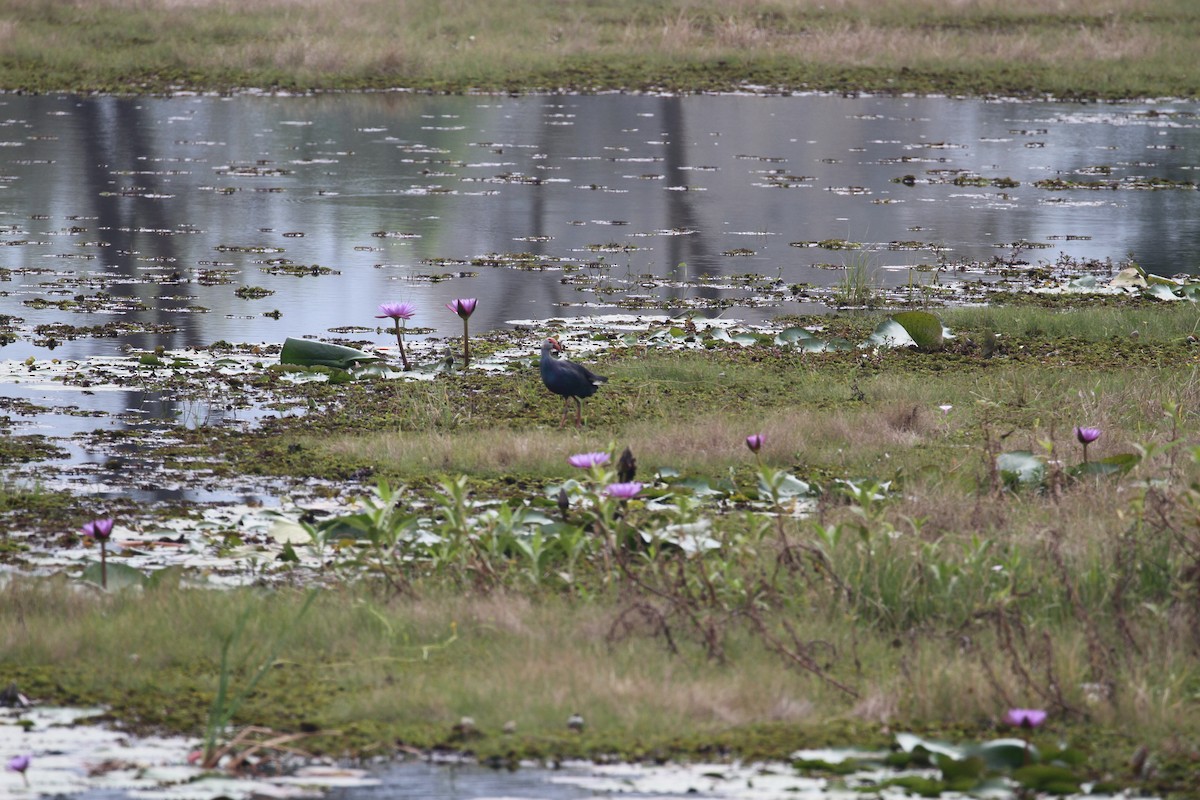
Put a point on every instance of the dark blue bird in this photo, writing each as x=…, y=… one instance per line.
x=568, y=379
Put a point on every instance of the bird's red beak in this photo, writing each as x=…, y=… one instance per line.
x=556, y=346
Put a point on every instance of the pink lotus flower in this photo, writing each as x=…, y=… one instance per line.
x=1024, y=717
x=755, y=442
x=623, y=491
x=587, y=460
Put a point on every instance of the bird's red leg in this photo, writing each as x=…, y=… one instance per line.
x=578, y=412
x=566, y=407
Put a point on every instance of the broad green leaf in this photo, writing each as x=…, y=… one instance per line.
x=288, y=531
x=1021, y=466
x=1130, y=276
x=1113, y=465
x=1083, y=282
x=789, y=486
x=960, y=773
x=909, y=742
x=699, y=486
x=838, y=346
x=1048, y=778
x=745, y=339
x=120, y=576
x=924, y=328
x=1190, y=291
x=1007, y=754
x=890, y=333
x=1159, y=292
x=793, y=335
x=1159, y=280
x=721, y=335
x=309, y=353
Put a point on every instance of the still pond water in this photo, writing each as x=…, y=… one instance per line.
x=148, y=215
x=129, y=224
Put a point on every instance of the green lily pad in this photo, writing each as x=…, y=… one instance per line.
x=789, y=486
x=1112, y=465
x=924, y=328
x=793, y=335
x=120, y=576
x=1130, y=276
x=1021, y=467
x=1159, y=292
x=890, y=333
x=309, y=353
x=1007, y=754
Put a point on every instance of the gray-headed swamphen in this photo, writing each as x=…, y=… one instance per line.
x=568, y=379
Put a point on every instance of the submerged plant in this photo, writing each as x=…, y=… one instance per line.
x=398, y=313
x=464, y=307
x=101, y=530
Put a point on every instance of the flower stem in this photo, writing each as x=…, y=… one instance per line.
x=400, y=341
x=466, y=345
x=103, y=564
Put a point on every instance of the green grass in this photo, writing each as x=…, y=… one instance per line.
x=1117, y=48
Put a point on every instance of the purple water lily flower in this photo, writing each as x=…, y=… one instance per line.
x=1024, y=717
x=464, y=307
x=398, y=312
x=1086, y=436
x=20, y=764
x=98, y=529
x=623, y=491
x=755, y=442
x=587, y=460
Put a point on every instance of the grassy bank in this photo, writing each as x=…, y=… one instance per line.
x=1076, y=48
x=924, y=589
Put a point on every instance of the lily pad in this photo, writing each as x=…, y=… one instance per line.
x=890, y=333
x=1021, y=467
x=1112, y=465
x=1160, y=291
x=924, y=328
x=119, y=576
x=793, y=335
x=310, y=353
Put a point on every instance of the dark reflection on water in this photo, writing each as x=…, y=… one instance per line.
x=151, y=200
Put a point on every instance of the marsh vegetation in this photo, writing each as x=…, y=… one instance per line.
x=1079, y=48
